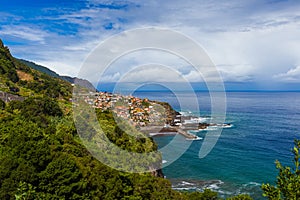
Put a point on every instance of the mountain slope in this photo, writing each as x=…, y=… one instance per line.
x=73, y=80
x=19, y=79
x=41, y=155
x=39, y=68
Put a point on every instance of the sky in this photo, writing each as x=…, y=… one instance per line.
x=254, y=44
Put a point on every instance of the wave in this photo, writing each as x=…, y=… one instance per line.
x=197, y=138
x=217, y=127
x=182, y=188
x=215, y=186
x=224, y=189
x=227, y=125
x=209, y=128
x=195, y=120
x=185, y=113
x=196, y=185
x=186, y=183
x=252, y=184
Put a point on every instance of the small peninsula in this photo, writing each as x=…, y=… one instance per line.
x=151, y=117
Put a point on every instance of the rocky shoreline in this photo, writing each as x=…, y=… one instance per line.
x=177, y=123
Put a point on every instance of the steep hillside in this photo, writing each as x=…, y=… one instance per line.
x=19, y=79
x=41, y=155
x=39, y=68
x=73, y=80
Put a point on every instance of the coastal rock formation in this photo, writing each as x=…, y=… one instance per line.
x=158, y=173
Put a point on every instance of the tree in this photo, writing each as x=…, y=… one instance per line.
x=205, y=195
x=288, y=180
x=240, y=197
x=25, y=191
x=13, y=76
x=2, y=104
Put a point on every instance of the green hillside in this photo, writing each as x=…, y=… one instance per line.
x=41, y=154
x=19, y=79
x=73, y=80
x=39, y=68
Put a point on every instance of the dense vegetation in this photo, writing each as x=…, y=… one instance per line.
x=42, y=157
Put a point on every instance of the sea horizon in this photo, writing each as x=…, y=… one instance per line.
x=111, y=89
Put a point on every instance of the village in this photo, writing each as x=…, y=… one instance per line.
x=139, y=112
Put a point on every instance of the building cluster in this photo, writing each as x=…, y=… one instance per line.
x=139, y=112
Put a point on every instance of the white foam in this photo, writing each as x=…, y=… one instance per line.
x=210, y=128
x=195, y=186
x=215, y=186
x=252, y=184
x=227, y=125
x=216, y=127
x=195, y=120
x=197, y=138
x=186, y=183
x=186, y=188
x=185, y=113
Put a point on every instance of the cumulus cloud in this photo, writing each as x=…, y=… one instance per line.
x=247, y=40
x=293, y=75
x=237, y=73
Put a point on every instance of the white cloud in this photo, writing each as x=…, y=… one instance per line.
x=236, y=73
x=293, y=75
x=24, y=32
x=247, y=40
x=152, y=73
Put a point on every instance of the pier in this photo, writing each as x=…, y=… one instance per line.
x=158, y=130
x=185, y=133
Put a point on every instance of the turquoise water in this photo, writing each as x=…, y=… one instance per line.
x=265, y=125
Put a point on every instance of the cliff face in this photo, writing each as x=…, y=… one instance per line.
x=170, y=113
x=78, y=81
x=158, y=173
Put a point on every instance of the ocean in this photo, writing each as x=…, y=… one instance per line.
x=265, y=125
